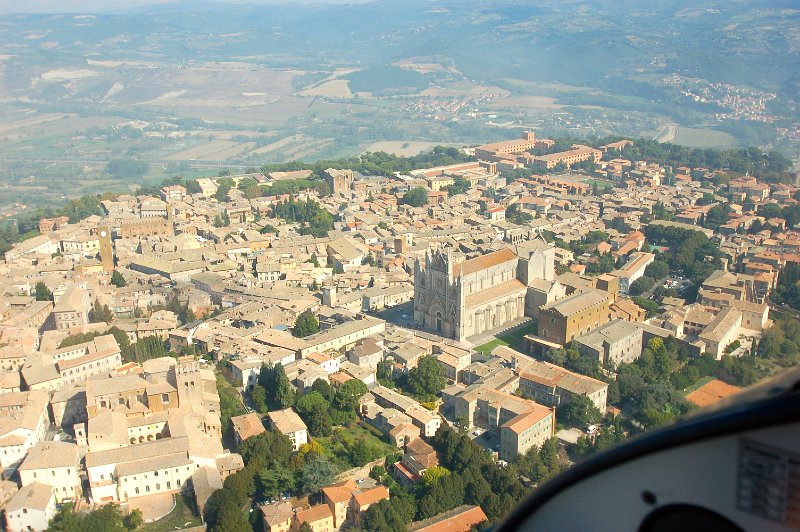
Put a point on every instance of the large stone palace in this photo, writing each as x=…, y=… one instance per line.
x=460, y=297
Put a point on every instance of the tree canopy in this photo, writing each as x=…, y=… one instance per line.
x=427, y=379
x=416, y=197
x=305, y=325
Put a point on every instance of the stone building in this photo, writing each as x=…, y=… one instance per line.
x=461, y=298
x=338, y=180
x=561, y=321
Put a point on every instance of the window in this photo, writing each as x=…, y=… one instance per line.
x=179, y=483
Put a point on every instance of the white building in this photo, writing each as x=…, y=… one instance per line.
x=31, y=508
x=55, y=464
x=23, y=423
x=289, y=423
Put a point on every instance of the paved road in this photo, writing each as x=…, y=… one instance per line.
x=491, y=335
x=667, y=134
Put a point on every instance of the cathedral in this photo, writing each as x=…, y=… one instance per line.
x=459, y=298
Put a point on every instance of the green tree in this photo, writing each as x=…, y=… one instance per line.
x=641, y=285
x=416, y=197
x=324, y=389
x=268, y=448
x=433, y=474
x=118, y=280
x=305, y=325
x=315, y=474
x=427, y=379
x=42, y=293
x=100, y=313
x=349, y=393
x=314, y=410
x=275, y=480
x=284, y=392
x=259, y=397
x=580, y=411
x=134, y=520
x=657, y=269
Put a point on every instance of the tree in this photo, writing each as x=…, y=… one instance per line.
x=118, y=280
x=650, y=306
x=315, y=474
x=42, y=293
x=657, y=269
x=120, y=336
x=107, y=518
x=349, y=393
x=416, y=197
x=427, y=379
x=284, y=392
x=433, y=474
x=314, y=410
x=275, y=480
x=134, y=520
x=100, y=313
x=259, y=397
x=324, y=389
x=305, y=325
x=641, y=285
x=305, y=527
x=581, y=411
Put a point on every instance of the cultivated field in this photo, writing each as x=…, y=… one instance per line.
x=336, y=88
x=704, y=138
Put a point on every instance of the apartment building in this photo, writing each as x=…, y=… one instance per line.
x=31, y=508
x=72, y=309
x=23, y=424
x=288, y=423
x=553, y=385
x=56, y=464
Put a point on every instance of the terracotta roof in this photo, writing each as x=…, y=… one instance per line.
x=286, y=421
x=340, y=492
x=484, y=261
x=277, y=513
x=314, y=514
x=248, y=425
x=522, y=422
x=370, y=496
x=461, y=519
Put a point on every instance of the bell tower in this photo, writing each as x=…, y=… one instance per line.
x=106, y=249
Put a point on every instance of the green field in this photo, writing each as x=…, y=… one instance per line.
x=697, y=385
x=180, y=517
x=514, y=339
x=358, y=431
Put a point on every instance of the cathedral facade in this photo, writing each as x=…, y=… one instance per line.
x=460, y=298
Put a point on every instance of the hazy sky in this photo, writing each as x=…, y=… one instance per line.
x=61, y=6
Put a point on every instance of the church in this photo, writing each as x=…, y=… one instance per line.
x=461, y=297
